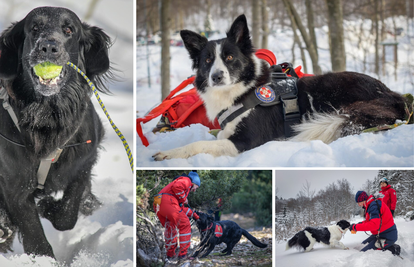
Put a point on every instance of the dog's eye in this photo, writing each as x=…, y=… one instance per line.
x=67, y=30
x=35, y=28
x=229, y=58
x=208, y=60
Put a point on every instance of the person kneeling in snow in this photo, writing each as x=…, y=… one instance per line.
x=170, y=209
x=379, y=221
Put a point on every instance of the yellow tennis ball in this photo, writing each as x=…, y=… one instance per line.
x=47, y=70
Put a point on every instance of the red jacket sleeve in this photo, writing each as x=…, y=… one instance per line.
x=393, y=197
x=190, y=213
x=371, y=225
x=180, y=189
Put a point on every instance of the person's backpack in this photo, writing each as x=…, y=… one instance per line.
x=179, y=110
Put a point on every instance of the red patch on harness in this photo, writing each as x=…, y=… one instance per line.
x=218, y=231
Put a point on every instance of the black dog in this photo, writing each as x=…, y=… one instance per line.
x=230, y=235
x=52, y=114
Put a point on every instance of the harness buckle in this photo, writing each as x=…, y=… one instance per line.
x=290, y=108
x=44, y=167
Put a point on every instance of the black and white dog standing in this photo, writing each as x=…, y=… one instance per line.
x=330, y=105
x=330, y=235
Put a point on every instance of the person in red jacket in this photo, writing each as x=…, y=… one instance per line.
x=390, y=196
x=378, y=220
x=169, y=207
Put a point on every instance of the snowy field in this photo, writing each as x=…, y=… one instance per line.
x=106, y=237
x=393, y=148
x=324, y=256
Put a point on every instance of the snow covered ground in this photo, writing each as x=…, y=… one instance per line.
x=324, y=256
x=393, y=148
x=106, y=237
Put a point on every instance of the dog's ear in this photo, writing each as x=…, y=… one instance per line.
x=239, y=33
x=11, y=47
x=95, y=44
x=194, y=43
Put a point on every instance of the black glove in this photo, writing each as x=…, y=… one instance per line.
x=352, y=227
x=392, y=212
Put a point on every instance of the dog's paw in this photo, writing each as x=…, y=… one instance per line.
x=160, y=156
x=7, y=232
x=89, y=204
x=48, y=207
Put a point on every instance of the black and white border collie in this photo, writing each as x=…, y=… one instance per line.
x=330, y=235
x=332, y=105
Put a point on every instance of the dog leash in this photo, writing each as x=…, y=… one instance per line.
x=117, y=131
x=205, y=238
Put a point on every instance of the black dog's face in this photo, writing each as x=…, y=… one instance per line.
x=221, y=62
x=50, y=37
x=204, y=221
x=343, y=224
x=56, y=36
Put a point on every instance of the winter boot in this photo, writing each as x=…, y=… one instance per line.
x=395, y=249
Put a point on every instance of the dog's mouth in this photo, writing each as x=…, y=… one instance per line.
x=48, y=77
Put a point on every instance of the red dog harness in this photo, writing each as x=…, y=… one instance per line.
x=219, y=230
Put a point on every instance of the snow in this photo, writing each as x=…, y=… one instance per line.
x=394, y=148
x=322, y=256
x=106, y=237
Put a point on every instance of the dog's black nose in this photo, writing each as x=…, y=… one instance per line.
x=217, y=77
x=49, y=48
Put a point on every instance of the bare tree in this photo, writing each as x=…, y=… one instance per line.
x=90, y=9
x=376, y=21
x=256, y=23
x=311, y=23
x=298, y=42
x=294, y=16
x=306, y=191
x=336, y=35
x=165, y=48
x=265, y=24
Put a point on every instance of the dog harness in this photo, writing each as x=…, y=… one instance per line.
x=281, y=90
x=219, y=230
x=46, y=162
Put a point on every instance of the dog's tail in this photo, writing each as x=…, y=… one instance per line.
x=252, y=239
x=292, y=242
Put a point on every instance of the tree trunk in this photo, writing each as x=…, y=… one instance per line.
x=311, y=24
x=296, y=40
x=376, y=28
x=265, y=25
x=90, y=10
x=295, y=18
x=165, y=48
x=256, y=23
x=336, y=35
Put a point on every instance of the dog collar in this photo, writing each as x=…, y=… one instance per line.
x=208, y=228
x=6, y=105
